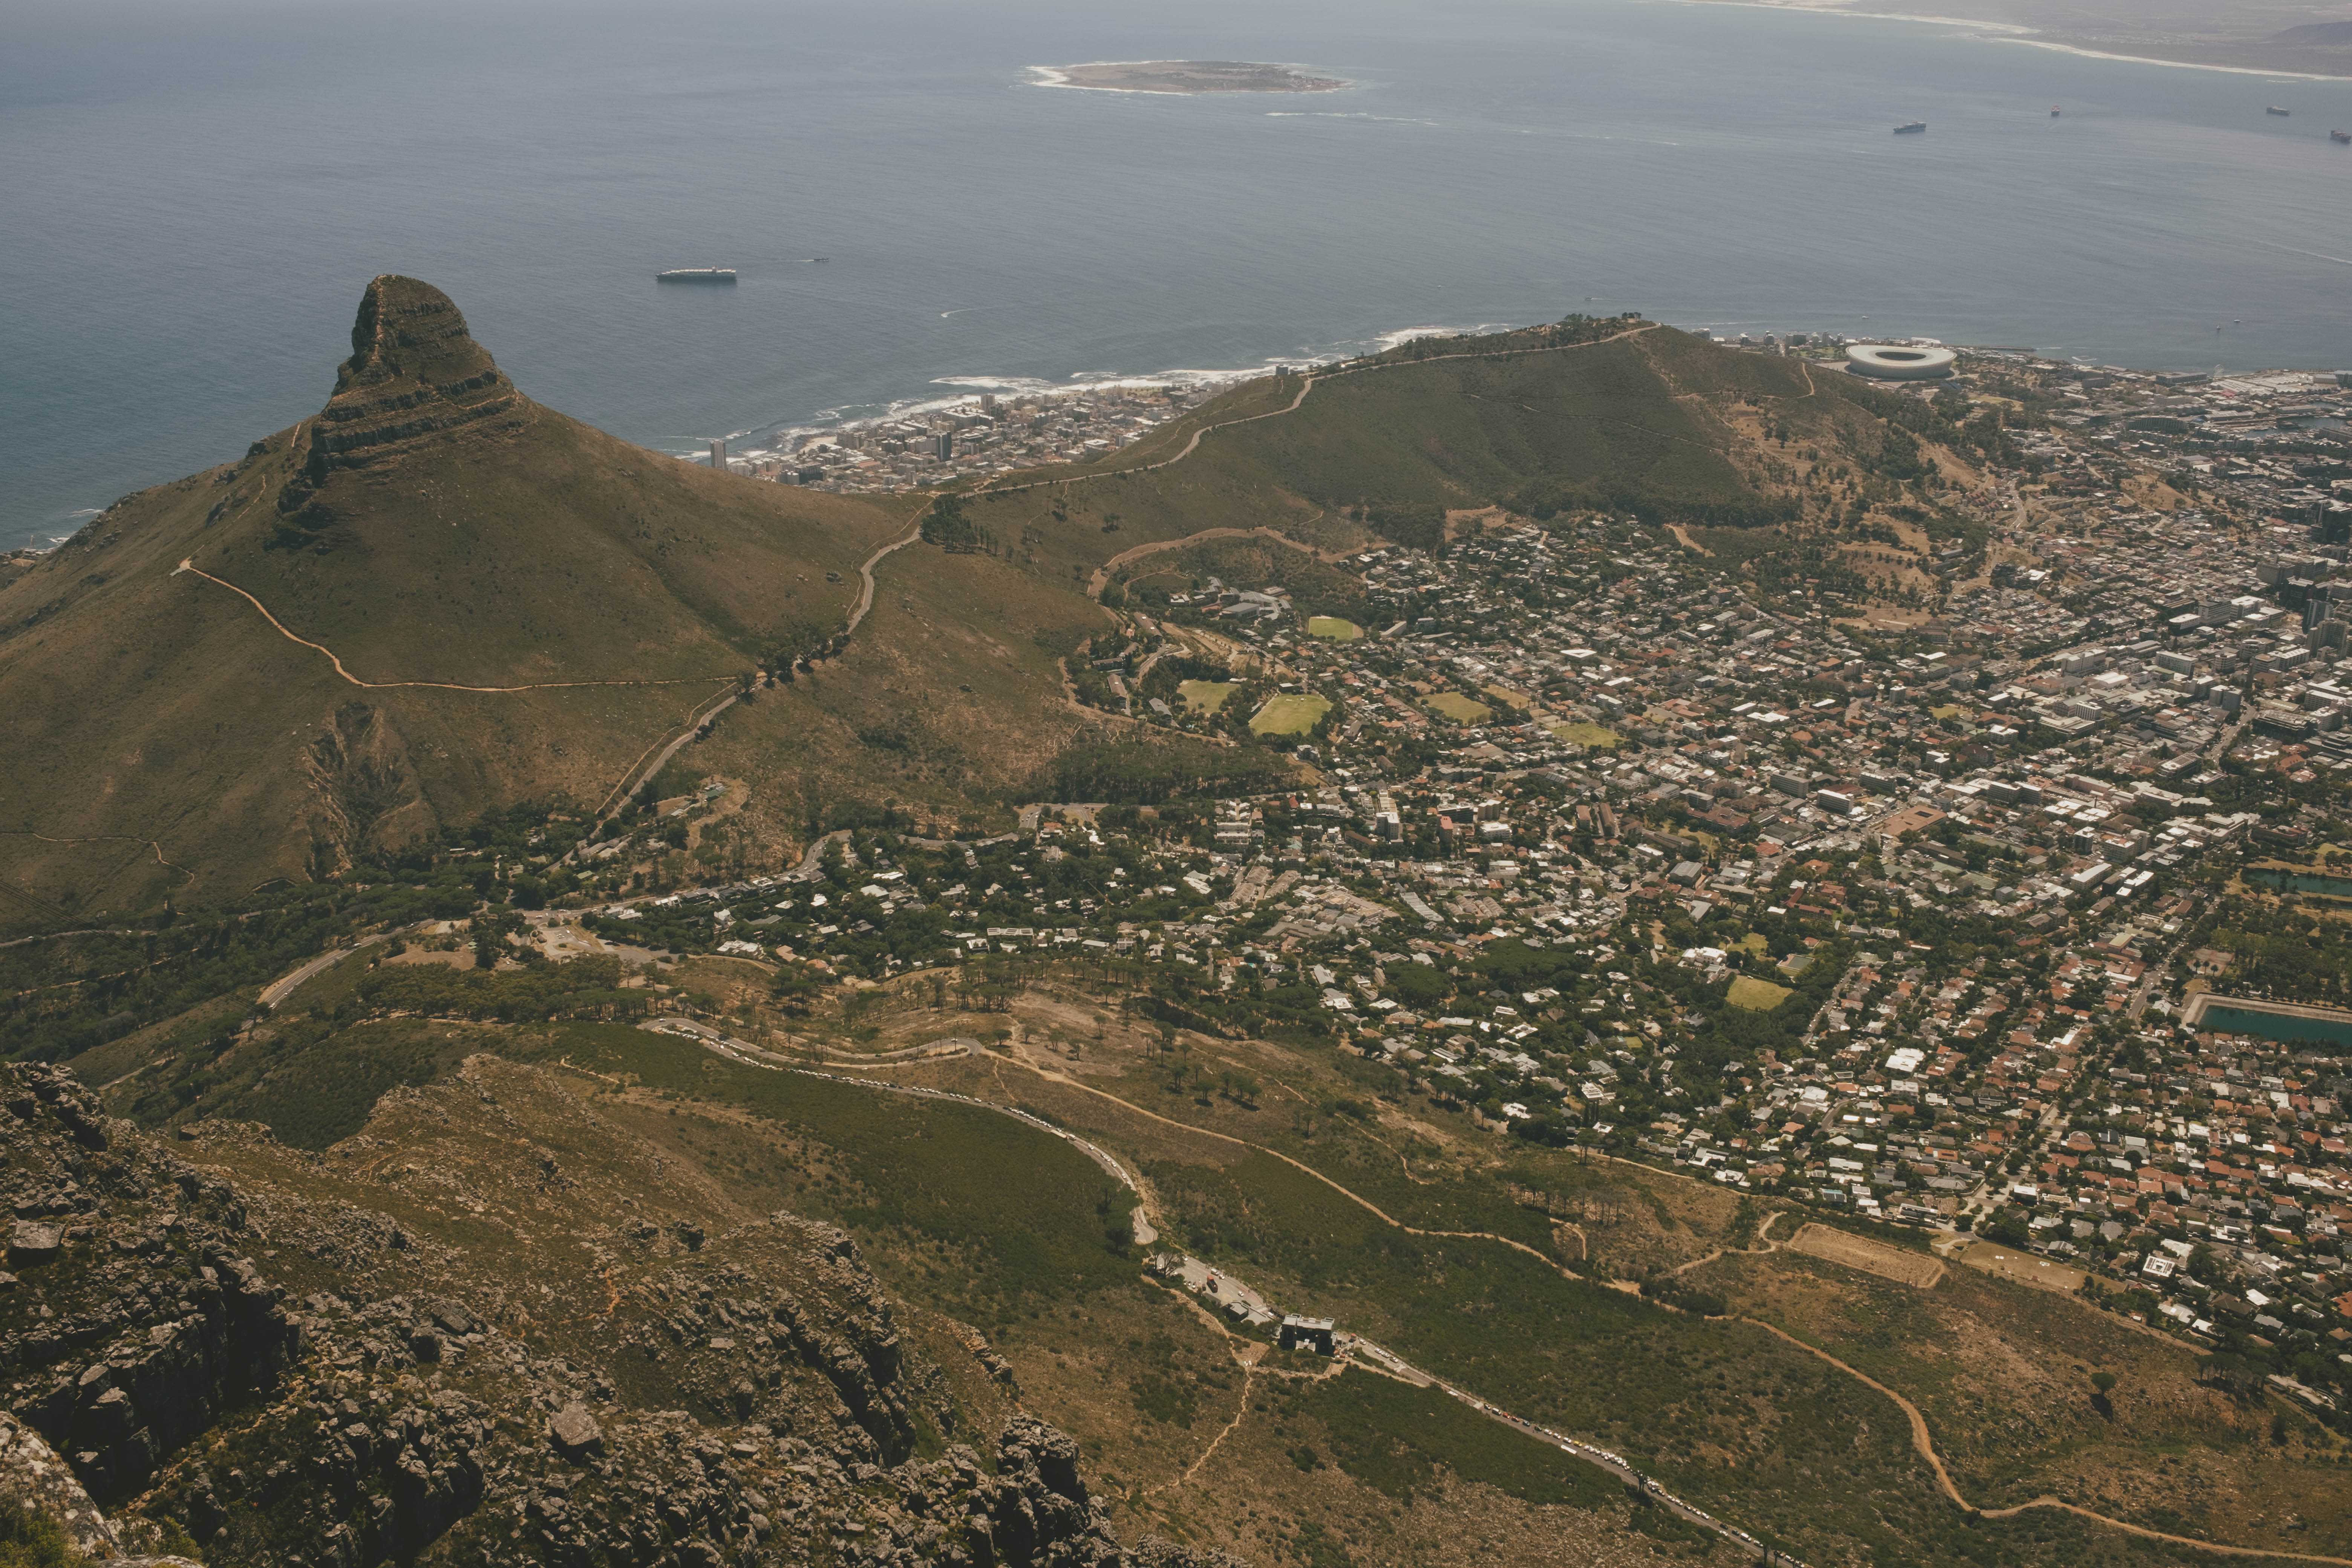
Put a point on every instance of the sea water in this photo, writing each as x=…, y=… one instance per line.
x=195, y=195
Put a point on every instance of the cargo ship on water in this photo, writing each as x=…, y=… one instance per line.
x=696, y=274
x=2344, y=136
x=2282, y=113
x=1915, y=128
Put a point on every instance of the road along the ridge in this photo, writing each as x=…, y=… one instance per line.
x=866, y=571
x=1925, y=1445
x=641, y=773
x=750, y=1055
x=1102, y=573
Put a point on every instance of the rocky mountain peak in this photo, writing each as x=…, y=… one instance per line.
x=415, y=374
x=406, y=330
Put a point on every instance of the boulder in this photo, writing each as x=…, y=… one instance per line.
x=574, y=1432
x=33, y=1243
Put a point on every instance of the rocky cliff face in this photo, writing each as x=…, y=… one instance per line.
x=134, y=1322
x=32, y=1477
x=416, y=371
x=295, y=1380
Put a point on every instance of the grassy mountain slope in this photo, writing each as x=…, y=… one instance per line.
x=431, y=525
x=948, y=697
x=434, y=528
x=1649, y=420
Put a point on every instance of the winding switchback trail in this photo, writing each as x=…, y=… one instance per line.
x=866, y=571
x=161, y=858
x=1921, y=1439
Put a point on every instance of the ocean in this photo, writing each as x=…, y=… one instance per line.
x=197, y=194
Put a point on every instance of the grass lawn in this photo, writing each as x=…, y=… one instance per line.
x=1949, y=712
x=1756, y=995
x=1584, y=734
x=1290, y=715
x=1460, y=708
x=1206, y=695
x=1333, y=627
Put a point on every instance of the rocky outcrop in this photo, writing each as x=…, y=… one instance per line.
x=360, y=777
x=416, y=371
x=149, y=1322
x=32, y=1476
x=748, y=1400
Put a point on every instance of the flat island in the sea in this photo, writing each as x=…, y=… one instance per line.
x=1185, y=76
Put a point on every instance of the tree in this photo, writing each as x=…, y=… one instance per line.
x=948, y=526
x=793, y=989
x=2008, y=1230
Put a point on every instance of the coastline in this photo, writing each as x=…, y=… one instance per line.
x=2152, y=61
x=1802, y=8
x=2013, y=33
x=830, y=420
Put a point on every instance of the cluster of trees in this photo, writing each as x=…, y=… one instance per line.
x=948, y=525
x=60, y=997
x=2285, y=952
x=584, y=988
x=1148, y=772
x=1733, y=506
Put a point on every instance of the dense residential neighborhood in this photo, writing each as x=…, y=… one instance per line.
x=1993, y=912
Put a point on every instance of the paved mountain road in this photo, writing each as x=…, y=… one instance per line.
x=276, y=991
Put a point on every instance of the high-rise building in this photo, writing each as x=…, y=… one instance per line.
x=718, y=454
x=943, y=445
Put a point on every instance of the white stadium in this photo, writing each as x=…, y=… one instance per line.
x=1892, y=361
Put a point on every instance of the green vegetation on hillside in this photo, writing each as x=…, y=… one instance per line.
x=986, y=1215
x=1146, y=773
x=28, y=1540
x=1396, y=1439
